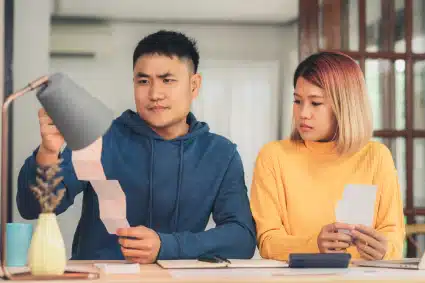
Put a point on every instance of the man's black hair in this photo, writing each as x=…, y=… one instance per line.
x=168, y=43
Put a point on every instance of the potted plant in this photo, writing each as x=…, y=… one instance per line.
x=47, y=254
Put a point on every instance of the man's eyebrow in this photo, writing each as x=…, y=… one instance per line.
x=142, y=75
x=163, y=76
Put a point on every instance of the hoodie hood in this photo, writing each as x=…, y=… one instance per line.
x=132, y=120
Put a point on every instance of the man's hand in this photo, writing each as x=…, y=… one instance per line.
x=139, y=244
x=332, y=241
x=51, y=140
x=370, y=244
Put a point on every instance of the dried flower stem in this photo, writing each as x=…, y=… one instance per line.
x=45, y=190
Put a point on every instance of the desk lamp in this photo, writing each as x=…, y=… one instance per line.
x=80, y=118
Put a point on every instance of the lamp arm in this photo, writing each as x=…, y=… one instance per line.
x=4, y=162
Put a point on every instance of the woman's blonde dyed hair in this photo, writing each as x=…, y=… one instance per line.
x=343, y=83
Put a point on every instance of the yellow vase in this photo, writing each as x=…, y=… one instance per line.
x=47, y=254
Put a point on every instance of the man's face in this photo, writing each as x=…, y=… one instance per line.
x=164, y=88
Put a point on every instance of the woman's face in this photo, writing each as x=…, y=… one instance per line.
x=313, y=114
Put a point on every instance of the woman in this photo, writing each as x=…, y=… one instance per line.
x=298, y=182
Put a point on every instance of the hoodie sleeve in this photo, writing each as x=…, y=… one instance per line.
x=234, y=234
x=28, y=205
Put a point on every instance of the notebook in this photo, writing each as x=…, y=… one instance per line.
x=233, y=263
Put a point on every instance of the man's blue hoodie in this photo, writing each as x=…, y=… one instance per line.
x=171, y=186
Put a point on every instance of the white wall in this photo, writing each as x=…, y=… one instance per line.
x=30, y=61
x=289, y=63
x=279, y=11
x=1, y=55
x=238, y=99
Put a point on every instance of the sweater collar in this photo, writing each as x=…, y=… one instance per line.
x=321, y=147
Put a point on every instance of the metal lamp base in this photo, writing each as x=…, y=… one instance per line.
x=71, y=273
x=27, y=276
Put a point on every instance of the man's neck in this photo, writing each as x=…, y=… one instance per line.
x=172, y=132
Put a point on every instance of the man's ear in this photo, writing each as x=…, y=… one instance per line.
x=195, y=84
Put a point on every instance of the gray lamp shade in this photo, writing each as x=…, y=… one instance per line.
x=80, y=117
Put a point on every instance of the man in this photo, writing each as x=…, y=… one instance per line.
x=173, y=171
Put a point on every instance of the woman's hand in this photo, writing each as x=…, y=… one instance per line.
x=370, y=244
x=331, y=240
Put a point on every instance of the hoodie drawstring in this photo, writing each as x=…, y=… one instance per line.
x=151, y=185
x=176, y=214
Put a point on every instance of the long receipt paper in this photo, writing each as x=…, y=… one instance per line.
x=112, y=203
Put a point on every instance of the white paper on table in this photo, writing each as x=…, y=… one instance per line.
x=119, y=268
x=320, y=274
x=355, y=273
x=221, y=273
x=87, y=162
x=357, y=205
x=310, y=271
x=112, y=204
x=402, y=275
